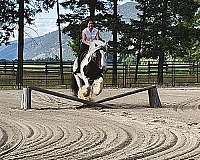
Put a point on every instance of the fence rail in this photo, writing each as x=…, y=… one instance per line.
x=47, y=74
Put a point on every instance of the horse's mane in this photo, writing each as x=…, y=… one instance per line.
x=96, y=45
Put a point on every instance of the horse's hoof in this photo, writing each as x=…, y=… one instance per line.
x=84, y=92
x=88, y=98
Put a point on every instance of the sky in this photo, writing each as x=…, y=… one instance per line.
x=45, y=22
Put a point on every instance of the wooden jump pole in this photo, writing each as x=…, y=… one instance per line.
x=27, y=97
x=154, y=99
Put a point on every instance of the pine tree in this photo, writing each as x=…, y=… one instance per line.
x=9, y=15
x=161, y=29
x=80, y=11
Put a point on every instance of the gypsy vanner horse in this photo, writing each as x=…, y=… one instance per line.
x=89, y=81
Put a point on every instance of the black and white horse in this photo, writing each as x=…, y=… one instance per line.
x=90, y=79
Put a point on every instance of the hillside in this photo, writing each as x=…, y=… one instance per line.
x=48, y=45
x=128, y=11
x=39, y=47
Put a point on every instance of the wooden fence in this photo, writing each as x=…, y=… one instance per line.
x=47, y=74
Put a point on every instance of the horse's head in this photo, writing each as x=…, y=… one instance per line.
x=97, y=50
x=97, y=44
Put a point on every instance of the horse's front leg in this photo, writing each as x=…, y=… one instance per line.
x=78, y=80
x=87, y=86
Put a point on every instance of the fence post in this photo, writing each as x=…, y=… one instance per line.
x=13, y=67
x=46, y=73
x=5, y=66
x=126, y=75
x=149, y=71
x=26, y=99
x=173, y=73
x=154, y=99
x=123, y=75
x=197, y=72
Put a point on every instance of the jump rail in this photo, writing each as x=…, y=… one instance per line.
x=154, y=99
x=26, y=97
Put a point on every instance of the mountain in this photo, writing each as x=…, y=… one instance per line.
x=8, y=52
x=48, y=45
x=39, y=48
x=128, y=11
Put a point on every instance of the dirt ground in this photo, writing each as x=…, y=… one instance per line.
x=55, y=129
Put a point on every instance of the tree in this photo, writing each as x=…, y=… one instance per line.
x=9, y=15
x=163, y=31
x=191, y=30
x=8, y=20
x=140, y=38
x=80, y=11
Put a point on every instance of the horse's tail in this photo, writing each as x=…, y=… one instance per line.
x=74, y=86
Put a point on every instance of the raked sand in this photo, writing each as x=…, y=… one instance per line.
x=54, y=129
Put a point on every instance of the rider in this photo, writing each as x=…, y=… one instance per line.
x=88, y=34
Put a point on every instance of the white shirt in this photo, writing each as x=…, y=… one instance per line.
x=90, y=36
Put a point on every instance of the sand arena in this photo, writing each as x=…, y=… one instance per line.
x=54, y=129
